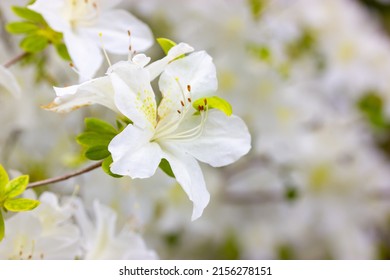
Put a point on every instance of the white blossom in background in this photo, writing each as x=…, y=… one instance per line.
x=87, y=26
x=8, y=82
x=47, y=232
x=101, y=240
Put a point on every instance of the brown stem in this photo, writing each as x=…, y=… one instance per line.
x=14, y=60
x=65, y=177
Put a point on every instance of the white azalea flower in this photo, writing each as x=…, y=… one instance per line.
x=100, y=90
x=101, y=240
x=174, y=131
x=8, y=82
x=46, y=232
x=82, y=22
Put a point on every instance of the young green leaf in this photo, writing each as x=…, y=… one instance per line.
x=99, y=126
x=16, y=186
x=34, y=43
x=257, y=7
x=213, y=102
x=165, y=44
x=28, y=14
x=106, y=167
x=97, y=152
x=21, y=27
x=63, y=51
x=20, y=204
x=2, y=227
x=3, y=180
x=166, y=167
x=90, y=139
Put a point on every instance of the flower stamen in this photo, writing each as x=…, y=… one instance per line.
x=104, y=49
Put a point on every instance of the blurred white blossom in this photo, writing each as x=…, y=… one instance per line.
x=47, y=232
x=87, y=26
x=100, y=239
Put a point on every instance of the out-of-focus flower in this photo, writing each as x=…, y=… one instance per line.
x=46, y=232
x=8, y=81
x=175, y=131
x=84, y=22
x=101, y=239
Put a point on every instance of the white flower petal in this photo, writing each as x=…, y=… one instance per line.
x=189, y=175
x=158, y=66
x=108, y=4
x=103, y=242
x=223, y=141
x=134, y=96
x=51, y=12
x=104, y=232
x=141, y=59
x=8, y=81
x=196, y=70
x=85, y=53
x=97, y=91
x=114, y=26
x=133, y=154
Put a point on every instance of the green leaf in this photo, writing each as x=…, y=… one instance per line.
x=97, y=152
x=213, y=102
x=34, y=43
x=63, y=51
x=3, y=180
x=28, y=14
x=260, y=52
x=257, y=8
x=371, y=105
x=16, y=186
x=91, y=139
x=21, y=27
x=2, y=226
x=165, y=44
x=99, y=126
x=166, y=167
x=20, y=204
x=106, y=167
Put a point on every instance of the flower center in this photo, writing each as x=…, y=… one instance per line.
x=82, y=12
x=171, y=130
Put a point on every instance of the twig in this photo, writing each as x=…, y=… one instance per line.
x=65, y=177
x=15, y=60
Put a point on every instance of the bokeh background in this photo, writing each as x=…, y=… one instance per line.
x=311, y=78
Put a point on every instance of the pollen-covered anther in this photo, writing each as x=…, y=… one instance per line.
x=189, y=88
x=182, y=103
x=128, y=33
x=189, y=99
x=205, y=102
x=179, y=111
